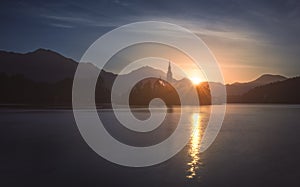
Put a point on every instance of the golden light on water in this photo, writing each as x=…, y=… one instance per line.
x=194, y=147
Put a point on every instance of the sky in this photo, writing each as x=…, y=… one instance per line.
x=248, y=38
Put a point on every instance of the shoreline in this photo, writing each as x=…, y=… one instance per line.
x=109, y=106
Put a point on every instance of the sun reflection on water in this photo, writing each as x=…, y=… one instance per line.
x=194, y=147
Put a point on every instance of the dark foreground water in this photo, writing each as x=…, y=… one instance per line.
x=258, y=145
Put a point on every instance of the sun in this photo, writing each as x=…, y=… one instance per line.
x=195, y=80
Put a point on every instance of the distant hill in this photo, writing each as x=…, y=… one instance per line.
x=287, y=91
x=41, y=65
x=237, y=89
x=153, y=87
x=146, y=71
x=133, y=75
x=267, y=79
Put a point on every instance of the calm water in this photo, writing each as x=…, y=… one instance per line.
x=258, y=145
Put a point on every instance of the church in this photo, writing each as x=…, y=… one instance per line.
x=169, y=73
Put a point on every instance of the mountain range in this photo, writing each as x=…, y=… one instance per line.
x=47, y=76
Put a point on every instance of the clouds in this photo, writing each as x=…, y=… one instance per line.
x=241, y=32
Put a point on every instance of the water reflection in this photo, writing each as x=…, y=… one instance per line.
x=194, y=147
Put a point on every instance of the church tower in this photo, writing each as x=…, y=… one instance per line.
x=169, y=73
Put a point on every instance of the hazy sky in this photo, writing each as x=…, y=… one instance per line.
x=248, y=38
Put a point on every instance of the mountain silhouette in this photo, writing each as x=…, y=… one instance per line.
x=40, y=65
x=237, y=89
x=267, y=79
x=44, y=77
x=286, y=91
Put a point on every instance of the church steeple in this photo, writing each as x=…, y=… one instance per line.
x=169, y=73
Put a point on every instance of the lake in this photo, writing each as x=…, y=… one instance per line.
x=258, y=145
